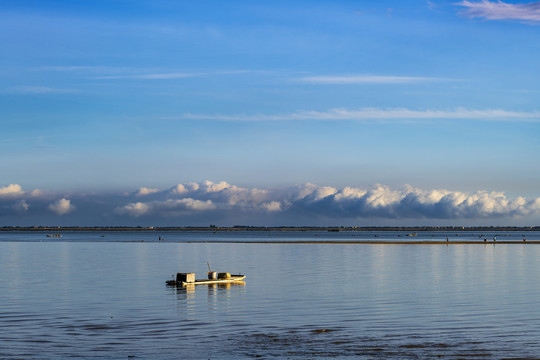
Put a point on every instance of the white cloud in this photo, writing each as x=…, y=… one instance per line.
x=192, y=197
x=221, y=192
x=320, y=193
x=36, y=193
x=146, y=191
x=179, y=189
x=11, y=190
x=303, y=191
x=376, y=114
x=348, y=193
x=499, y=10
x=410, y=203
x=366, y=79
x=184, y=188
x=208, y=186
x=382, y=196
x=190, y=204
x=61, y=207
x=134, y=209
x=272, y=206
x=167, y=207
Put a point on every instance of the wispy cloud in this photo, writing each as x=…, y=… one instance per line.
x=376, y=114
x=117, y=73
x=141, y=74
x=499, y=10
x=156, y=76
x=80, y=68
x=42, y=90
x=138, y=73
x=20, y=206
x=366, y=79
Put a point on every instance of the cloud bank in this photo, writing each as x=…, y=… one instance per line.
x=499, y=10
x=308, y=204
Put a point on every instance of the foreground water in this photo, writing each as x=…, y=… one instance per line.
x=92, y=297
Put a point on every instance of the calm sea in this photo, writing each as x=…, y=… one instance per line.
x=103, y=296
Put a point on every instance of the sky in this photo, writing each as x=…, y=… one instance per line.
x=179, y=113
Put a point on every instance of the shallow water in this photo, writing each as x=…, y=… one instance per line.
x=265, y=236
x=105, y=298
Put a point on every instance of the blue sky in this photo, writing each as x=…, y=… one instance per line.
x=281, y=101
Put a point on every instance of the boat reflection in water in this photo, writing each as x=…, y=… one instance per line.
x=221, y=288
x=193, y=300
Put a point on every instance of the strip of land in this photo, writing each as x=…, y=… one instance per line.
x=275, y=228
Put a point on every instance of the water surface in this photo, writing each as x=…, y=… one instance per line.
x=105, y=298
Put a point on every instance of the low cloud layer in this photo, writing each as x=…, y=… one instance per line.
x=499, y=10
x=308, y=204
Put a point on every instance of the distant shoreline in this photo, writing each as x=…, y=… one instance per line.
x=368, y=242
x=274, y=228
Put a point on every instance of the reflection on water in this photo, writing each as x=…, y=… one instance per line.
x=109, y=301
x=213, y=290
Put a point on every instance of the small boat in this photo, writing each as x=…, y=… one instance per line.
x=186, y=279
x=54, y=235
x=413, y=234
